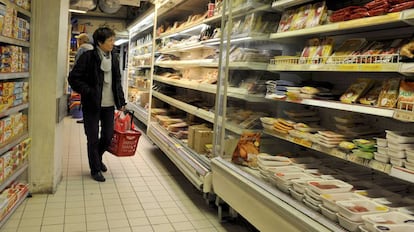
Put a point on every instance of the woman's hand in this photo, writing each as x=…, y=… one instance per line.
x=123, y=108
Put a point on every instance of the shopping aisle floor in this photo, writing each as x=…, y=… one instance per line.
x=142, y=193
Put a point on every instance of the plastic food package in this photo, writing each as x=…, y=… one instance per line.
x=389, y=93
x=329, y=186
x=371, y=98
x=247, y=149
x=355, y=209
x=357, y=89
x=346, y=49
x=406, y=95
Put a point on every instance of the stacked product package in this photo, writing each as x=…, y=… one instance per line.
x=13, y=159
x=13, y=26
x=13, y=59
x=10, y=196
x=13, y=94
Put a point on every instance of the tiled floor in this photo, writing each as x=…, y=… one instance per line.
x=142, y=193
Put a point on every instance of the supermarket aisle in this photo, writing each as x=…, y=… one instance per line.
x=141, y=193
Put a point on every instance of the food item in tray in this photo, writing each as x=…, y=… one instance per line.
x=247, y=149
x=358, y=209
x=358, y=88
x=323, y=186
x=347, y=48
x=317, y=14
x=371, y=98
x=389, y=93
x=309, y=51
x=301, y=16
x=286, y=21
x=406, y=95
x=377, y=7
x=348, y=13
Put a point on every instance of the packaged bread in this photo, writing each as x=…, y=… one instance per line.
x=389, y=93
x=406, y=95
x=357, y=89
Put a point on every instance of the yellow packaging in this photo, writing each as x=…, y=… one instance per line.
x=356, y=90
x=201, y=138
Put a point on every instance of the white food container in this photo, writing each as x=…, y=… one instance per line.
x=268, y=120
x=406, y=209
x=284, y=180
x=296, y=195
x=313, y=194
x=394, y=228
x=381, y=142
x=400, y=136
x=401, y=146
x=328, y=213
x=410, y=154
x=312, y=206
x=312, y=200
x=382, y=150
x=355, y=209
x=348, y=224
x=409, y=165
x=283, y=169
x=363, y=228
x=329, y=186
x=299, y=185
x=329, y=200
x=397, y=162
x=381, y=157
x=393, y=153
x=410, y=159
x=386, y=218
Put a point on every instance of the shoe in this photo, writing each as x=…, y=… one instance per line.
x=79, y=121
x=103, y=167
x=98, y=177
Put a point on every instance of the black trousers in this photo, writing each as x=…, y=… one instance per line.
x=98, y=144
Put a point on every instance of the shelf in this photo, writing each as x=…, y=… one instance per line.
x=187, y=63
x=281, y=5
x=14, y=109
x=391, y=20
x=143, y=56
x=246, y=65
x=13, y=176
x=139, y=112
x=13, y=143
x=10, y=213
x=390, y=67
x=12, y=41
x=273, y=208
x=186, y=47
x=233, y=92
x=385, y=168
x=198, y=173
x=365, y=109
x=7, y=76
x=208, y=116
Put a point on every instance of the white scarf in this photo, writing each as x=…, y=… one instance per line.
x=106, y=64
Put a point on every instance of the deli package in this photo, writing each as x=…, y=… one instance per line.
x=389, y=93
x=406, y=95
x=247, y=149
x=356, y=90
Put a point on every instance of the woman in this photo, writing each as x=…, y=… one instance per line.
x=97, y=77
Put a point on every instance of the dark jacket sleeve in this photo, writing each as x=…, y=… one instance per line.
x=118, y=84
x=79, y=75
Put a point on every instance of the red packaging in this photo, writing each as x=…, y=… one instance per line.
x=402, y=6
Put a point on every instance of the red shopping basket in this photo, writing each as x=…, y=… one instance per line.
x=124, y=143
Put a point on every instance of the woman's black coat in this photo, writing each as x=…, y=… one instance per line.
x=87, y=79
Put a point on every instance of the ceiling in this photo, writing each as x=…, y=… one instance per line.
x=127, y=10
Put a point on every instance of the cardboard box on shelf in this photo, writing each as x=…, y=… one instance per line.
x=144, y=98
x=191, y=131
x=201, y=138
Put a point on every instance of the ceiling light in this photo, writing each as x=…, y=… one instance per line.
x=120, y=41
x=77, y=11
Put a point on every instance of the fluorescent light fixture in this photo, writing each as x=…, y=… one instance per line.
x=148, y=20
x=196, y=28
x=120, y=41
x=77, y=11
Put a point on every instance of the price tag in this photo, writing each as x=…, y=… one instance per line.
x=380, y=166
x=406, y=116
x=372, y=67
x=348, y=67
x=177, y=145
x=338, y=153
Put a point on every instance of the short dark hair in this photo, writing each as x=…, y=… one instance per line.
x=101, y=34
